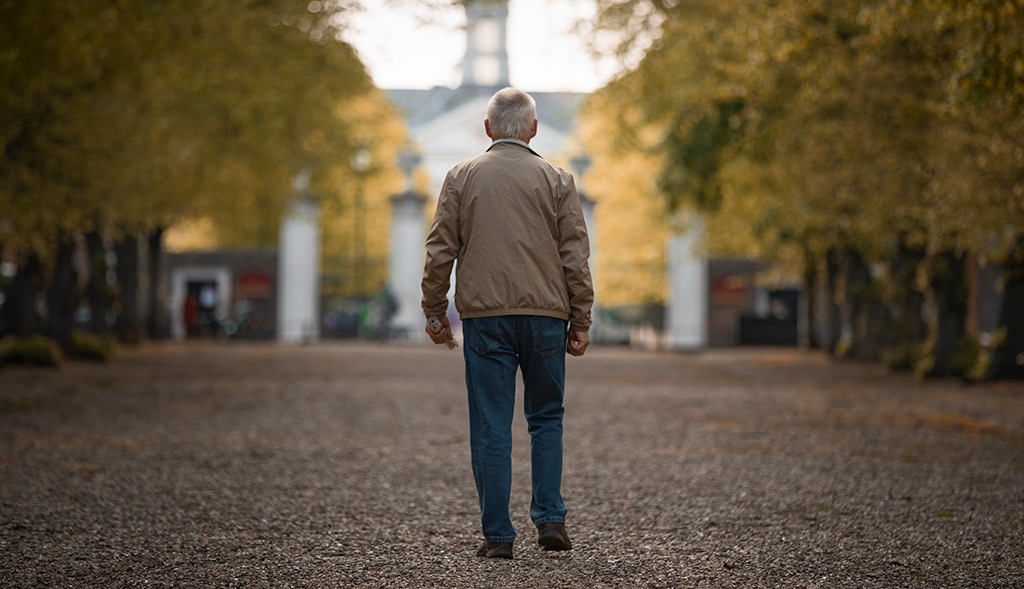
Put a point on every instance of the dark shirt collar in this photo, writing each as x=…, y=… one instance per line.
x=518, y=142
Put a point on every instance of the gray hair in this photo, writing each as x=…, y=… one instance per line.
x=510, y=114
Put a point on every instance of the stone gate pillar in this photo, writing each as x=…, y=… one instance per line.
x=587, y=204
x=408, y=234
x=580, y=164
x=686, y=319
x=298, y=273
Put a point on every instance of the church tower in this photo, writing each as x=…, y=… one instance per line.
x=486, y=62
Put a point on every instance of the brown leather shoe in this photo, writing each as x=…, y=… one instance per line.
x=553, y=536
x=495, y=550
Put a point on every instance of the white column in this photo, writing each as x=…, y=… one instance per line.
x=298, y=274
x=408, y=234
x=587, y=205
x=580, y=164
x=687, y=314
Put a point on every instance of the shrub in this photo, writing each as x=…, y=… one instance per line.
x=36, y=350
x=92, y=346
x=973, y=357
x=901, y=358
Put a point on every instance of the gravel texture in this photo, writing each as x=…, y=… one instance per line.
x=347, y=465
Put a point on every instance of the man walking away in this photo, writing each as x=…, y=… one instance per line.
x=524, y=294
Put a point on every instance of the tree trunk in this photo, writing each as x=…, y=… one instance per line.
x=863, y=307
x=127, y=324
x=1009, y=359
x=948, y=288
x=912, y=299
x=903, y=330
x=809, y=328
x=62, y=296
x=971, y=271
x=19, y=314
x=98, y=291
x=831, y=321
x=154, y=252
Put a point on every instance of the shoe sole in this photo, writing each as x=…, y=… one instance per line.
x=506, y=555
x=553, y=543
x=484, y=552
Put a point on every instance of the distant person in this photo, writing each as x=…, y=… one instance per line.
x=524, y=294
x=190, y=314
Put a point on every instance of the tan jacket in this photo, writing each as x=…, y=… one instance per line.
x=514, y=223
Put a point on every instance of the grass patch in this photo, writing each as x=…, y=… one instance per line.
x=18, y=406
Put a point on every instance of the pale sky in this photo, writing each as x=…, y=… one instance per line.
x=543, y=51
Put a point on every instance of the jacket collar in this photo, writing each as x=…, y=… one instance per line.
x=518, y=142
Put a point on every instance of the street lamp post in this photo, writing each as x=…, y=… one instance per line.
x=360, y=164
x=580, y=164
x=408, y=233
x=408, y=161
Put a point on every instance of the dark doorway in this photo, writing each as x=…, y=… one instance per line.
x=200, y=312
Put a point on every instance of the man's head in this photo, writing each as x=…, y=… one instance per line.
x=511, y=114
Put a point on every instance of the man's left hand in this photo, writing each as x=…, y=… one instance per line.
x=578, y=342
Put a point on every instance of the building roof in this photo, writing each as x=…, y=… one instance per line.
x=557, y=110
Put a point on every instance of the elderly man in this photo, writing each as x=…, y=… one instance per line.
x=524, y=294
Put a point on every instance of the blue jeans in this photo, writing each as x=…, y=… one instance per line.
x=495, y=347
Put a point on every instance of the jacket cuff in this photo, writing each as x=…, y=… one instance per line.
x=435, y=311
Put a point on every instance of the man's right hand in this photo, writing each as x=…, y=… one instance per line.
x=441, y=335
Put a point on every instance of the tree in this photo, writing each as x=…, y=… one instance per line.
x=876, y=146
x=126, y=117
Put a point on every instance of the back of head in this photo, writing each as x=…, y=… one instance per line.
x=511, y=114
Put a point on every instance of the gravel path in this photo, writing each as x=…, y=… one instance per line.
x=346, y=465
